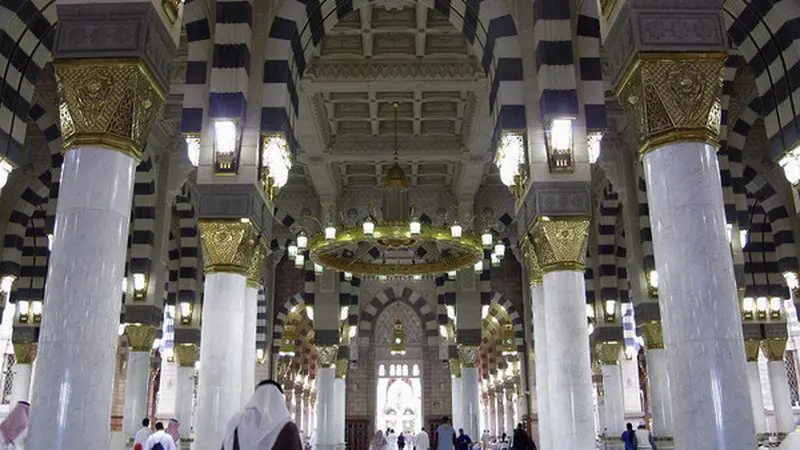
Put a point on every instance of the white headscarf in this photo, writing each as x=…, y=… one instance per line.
x=261, y=421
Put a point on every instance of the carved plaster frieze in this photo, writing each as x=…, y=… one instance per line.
x=418, y=71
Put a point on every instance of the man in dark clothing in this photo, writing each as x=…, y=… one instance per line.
x=629, y=437
x=521, y=440
x=463, y=442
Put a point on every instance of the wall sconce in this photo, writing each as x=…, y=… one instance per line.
x=5, y=171
x=193, y=148
x=36, y=311
x=260, y=355
x=611, y=311
x=348, y=276
x=511, y=161
x=743, y=237
x=791, y=280
x=495, y=260
x=775, y=305
x=593, y=141
x=478, y=267
x=487, y=239
x=186, y=313
x=729, y=232
x=652, y=283
x=368, y=226
x=344, y=311
x=591, y=327
x=484, y=311
x=299, y=261
x=451, y=275
x=310, y=312
x=6, y=283
x=227, y=143
x=790, y=163
x=302, y=241
x=761, y=307
x=559, y=145
x=748, y=307
x=500, y=250
x=139, y=286
x=318, y=269
x=24, y=311
x=455, y=230
x=291, y=252
x=590, y=310
x=352, y=331
x=276, y=162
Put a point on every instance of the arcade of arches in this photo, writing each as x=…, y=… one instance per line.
x=562, y=214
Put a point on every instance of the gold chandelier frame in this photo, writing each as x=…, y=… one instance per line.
x=467, y=250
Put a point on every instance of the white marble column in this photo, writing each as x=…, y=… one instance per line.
x=21, y=385
x=540, y=349
x=493, y=428
x=705, y=348
x=614, y=409
x=660, y=403
x=470, y=389
x=510, y=425
x=219, y=390
x=74, y=383
x=136, y=383
x=500, y=411
x=756, y=397
x=340, y=418
x=298, y=409
x=327, y=410
x=249, y=342
x=187, y=356
x=570, y=406
x=457, y=396
x=779, y=384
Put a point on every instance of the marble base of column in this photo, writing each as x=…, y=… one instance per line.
x=781, y=396
x=660, y=404
x=73, y=386
x=456, y=402
x=470, y=389
x=614, y=417
x=136, y=382
x=219, y=389
x=705, y=345
x=327, y=411
x=540, y=349
x=571, y=407
x=21, y=383
x=756, y=397
x=249, y=344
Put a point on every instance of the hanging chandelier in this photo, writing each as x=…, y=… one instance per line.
x=395, y=242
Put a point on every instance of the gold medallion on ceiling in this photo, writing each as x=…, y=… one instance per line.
x=653, y=334
x=107, y=103
x=140, y=337
x=774, y=348
x=326, y=354
x=673, y=97
x=24, y=352
x=531, y=261
x=560, y=243
x=608, y=352
x=468, y=355
x=751, y=348
x=228, y=245
x=187, y=354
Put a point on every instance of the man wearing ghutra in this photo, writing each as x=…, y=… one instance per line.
x=264, y=424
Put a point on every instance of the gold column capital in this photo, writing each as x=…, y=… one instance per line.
x=560, y=243
x=468, y=355
x=228, y=245
x=326, y=354
x=653, y=334
x=341, y=368
x=140, y=337
x=608, y=352
x=751, y=347
x=187, y=354
x=256, y=263
x=774, y=348
x=673, y=97
x=107, y=103
x=531, y=261
x=455, y=367
x=25, y=352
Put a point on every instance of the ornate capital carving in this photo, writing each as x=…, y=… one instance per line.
x=673, y=97
x=751, y=347
x=326, y=354
x=455, y=367
x=187, y=354
x=560, y=244
x=608, y=352
x=140, y=337
x=25, y=352
x=256, y=264
x=774, y=348
x=468, y=355
x=341, y=368
x=653, y=335
x=531, y=262
x=107, y=103
x=228, y=245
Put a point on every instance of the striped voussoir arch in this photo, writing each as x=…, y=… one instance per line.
x=623, y=283
x=261, y=319
x=726, y=171
x=609, y=212
x=555, y=71
x=230, y=65
x=27, y=33
x=762, y=268
x=173, y=267
x=645, y=231
x=764, y=200
x=190, y=273
x=199, y=49
x=763, y=33
x=589, y=279
x=516, y=319
x=35, y=256
x=374, y=308
x=300, y=26
x=280, y=319
x=143, y=217
x=736, y=140
x=587, y=39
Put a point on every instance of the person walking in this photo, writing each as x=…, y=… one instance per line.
x=629, y=437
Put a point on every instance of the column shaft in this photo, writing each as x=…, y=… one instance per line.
x=185, y=400
x=219, y=389
x=249, y=343
x=136, y=383
x=500, y=410
x=78, y=349
x=570, y=387
x=540, y=349
x=756, y=397
x=612, y=399
x=21, y=384
x=509, y=414
x=471, y=395
x=327, y=410
x=781, y=396
x=708, y=381
x=660, y=404
x=340, y=429
x=457, y=407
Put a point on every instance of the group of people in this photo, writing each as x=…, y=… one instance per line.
x=446, y=439
x=639, y=439
x=161, y=439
